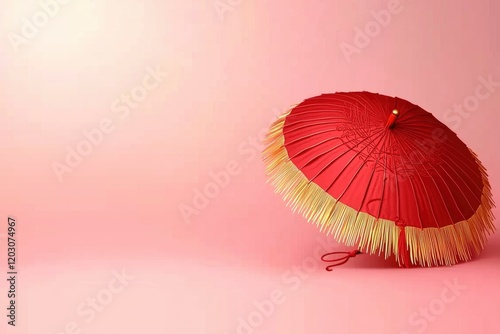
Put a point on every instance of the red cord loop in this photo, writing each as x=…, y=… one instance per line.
x=354, y=253
x=339, y=260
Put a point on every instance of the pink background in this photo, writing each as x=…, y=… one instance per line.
x=227, y=77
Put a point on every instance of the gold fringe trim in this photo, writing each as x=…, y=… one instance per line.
x=427, y=247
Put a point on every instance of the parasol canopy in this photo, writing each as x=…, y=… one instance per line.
x=381, y=174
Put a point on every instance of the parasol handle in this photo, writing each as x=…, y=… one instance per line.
x=392, y=119
x=339, y=260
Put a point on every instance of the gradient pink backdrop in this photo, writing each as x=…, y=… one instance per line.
x=227, y=78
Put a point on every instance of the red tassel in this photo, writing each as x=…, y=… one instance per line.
x=404, y=255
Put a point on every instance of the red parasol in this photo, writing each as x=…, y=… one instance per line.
x=383, y=174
